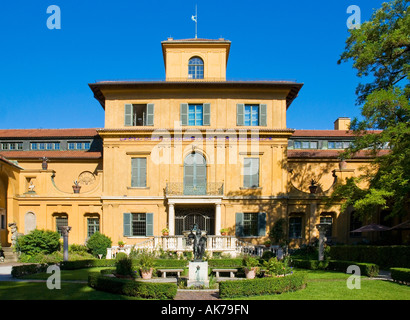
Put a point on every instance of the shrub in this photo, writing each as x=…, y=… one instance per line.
x=267, y=255
x=123, y=266
x=98, y=244
x=39, y=241
x=26, y=269
x=77, y=248
x=131, y=287
x=120, y=255
x=225, y=263
x=276, y=267
x=80, y=264
x=366, y=269
x=310, y=264
x=400, y=274
x=261, y=286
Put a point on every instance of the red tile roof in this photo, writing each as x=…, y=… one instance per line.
x=3, y=159
x=50, y=154
x=328, y=154
x=47, y=133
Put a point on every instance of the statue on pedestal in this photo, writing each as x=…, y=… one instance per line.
x=199, y=242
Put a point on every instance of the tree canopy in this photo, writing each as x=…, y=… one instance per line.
x=380, y=51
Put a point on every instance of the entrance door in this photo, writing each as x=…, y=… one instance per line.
x=186, y=217
x=194, y=174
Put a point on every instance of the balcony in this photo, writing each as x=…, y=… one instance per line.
x=207, y=189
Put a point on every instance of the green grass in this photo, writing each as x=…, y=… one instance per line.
x=330, y=285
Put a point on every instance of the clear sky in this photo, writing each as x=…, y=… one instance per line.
x=44, y=74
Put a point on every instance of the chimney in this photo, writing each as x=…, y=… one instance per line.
x=342, y=123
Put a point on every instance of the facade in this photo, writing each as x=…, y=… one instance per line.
x=195, y=148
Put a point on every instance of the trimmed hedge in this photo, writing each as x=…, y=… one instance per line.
x=26, y=269
x=225, y=263
x=400, y=275
x=81, y=264
x=384, y=256
x=261, y=286
x=131, y=287
x=170, y=263
x=366, y=269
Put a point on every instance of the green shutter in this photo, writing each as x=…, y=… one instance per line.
x=262, y=115
x=240, y=114
x=127, y=224
x=239, y=224
x=261, y=224
x=149, y=121
x=139, y=172
x=184, y=114
x=149, y=224
x=128, y=114
x=206, y=121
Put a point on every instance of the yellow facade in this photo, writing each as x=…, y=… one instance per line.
x=143, y=173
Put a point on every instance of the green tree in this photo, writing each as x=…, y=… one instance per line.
x=39, y=241
x=380, y=51
x=98, y=244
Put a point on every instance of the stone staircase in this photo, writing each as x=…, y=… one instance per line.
x=9, y=255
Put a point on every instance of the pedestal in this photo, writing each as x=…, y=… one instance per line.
x=198, y=274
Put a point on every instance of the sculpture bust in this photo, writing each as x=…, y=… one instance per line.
x=199, y=242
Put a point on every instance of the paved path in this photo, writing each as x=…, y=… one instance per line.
x=197, y=295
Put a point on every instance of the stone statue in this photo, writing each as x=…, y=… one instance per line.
x=199, y=242
x=14, y=234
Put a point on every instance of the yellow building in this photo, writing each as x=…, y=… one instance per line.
x=195, y=148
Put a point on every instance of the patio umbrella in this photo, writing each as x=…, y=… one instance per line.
x=402, y=226
x=371, y=228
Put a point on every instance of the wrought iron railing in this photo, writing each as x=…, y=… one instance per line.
x=207, y=189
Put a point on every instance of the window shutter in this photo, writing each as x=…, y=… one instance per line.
x=184, y=114
x=138, y=172
x=150, y=115
x=127, y=224
x=240, y=114
x=149, y=224
x=128, y=114
x=134, y=172
x=239, y=224
x=261, y=224
x=206, y=114
x=262, y=115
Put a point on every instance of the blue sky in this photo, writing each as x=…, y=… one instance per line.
x=44, y=74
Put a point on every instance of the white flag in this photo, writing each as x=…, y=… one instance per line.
x=193, y=18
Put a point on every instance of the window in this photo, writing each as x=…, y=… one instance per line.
x=86, y=145
x=138, y=172
x=295, y=227
x=305, y=144
x=50, y=146
x=57, y=146
x=19, y=146
x=139, y=114
x=71, y=146
x=251, y=172
x=42, y=146
x=297, y=145
x=12, y=146
x=251, y=114
x=33, y=146
x=4, y=146
x=138, y=224
x=195, y=114
x=195, y=68
x=329, y=220
x=338, y=144
x=61, y=221
x=250, y=224
x=355, y=223
x=93, y=225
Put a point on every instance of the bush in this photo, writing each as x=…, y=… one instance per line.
x=26, y=269
x=261, y=286
x=383, y=256
x=267, y=255
x=400, y=275
x=123, y=266
x=78, y=248
x=276, y=267
x=98, y=244
x=39, y=241
x=225, y=263
x=309, y=264
x=131, y=287
x=80, y=264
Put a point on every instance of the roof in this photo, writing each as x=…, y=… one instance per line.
x=47, y=133
x=3, y=159
x=50, y=154
x=327, y=133
x=329, y=154
x=293, y=87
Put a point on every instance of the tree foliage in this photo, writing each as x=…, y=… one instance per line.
x=39, y=241
x=380, y=51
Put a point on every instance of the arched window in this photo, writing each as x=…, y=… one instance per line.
x=196, y=68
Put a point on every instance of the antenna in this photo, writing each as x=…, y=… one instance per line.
x=195, y=18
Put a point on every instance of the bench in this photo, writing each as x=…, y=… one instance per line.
x=164, y=272
x=231, y=272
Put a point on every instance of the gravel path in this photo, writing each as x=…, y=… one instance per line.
x=197, y=295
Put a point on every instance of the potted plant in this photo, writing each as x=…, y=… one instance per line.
x=165, y=232
x=76, y=187
x=224, y=232
x=267, y=243
x=342, y=163
x=251, y=265
x=313, y=186
x=121, y=244
x=146, y=265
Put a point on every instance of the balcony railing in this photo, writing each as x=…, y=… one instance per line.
x=207, y=189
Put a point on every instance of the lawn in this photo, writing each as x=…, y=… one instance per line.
x=322, y=285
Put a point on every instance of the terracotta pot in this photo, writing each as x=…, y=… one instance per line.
x=76, y=189
x=250, y=273
x=146, y=274
x=223, y=233
x=165, y=234
x=342, y=165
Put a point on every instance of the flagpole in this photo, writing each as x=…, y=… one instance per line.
x=196, y=22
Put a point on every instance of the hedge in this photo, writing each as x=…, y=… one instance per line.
x=225, y=263
x=384, y=256
x=81, y=264
x=400, y=275
x=366, y=269
x=131, y=287
x=26, y=269
x=261, y=286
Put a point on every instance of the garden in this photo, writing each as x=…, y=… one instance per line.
x=299, y=275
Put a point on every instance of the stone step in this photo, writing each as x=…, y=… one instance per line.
x=9, y=255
